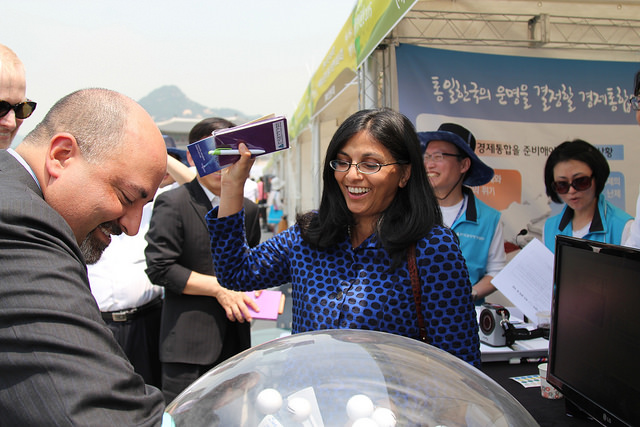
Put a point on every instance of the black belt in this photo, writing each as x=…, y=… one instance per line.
x=131, y=313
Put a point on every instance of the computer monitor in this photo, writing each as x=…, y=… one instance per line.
x=594, y=345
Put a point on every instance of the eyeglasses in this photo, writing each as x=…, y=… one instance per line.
x=438, y=157
x=635, y=102
x=580, y=184
x=22, y=109
x=366, y=168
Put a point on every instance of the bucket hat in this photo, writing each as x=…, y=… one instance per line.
x=478, y=173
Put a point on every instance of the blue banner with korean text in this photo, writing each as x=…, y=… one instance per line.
x=515, y=88
x=519, y=108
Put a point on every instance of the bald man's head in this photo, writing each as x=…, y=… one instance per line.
x=99, y=158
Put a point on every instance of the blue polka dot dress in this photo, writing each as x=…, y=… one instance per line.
x=346, y=288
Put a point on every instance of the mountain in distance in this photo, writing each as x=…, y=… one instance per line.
x=168, y=102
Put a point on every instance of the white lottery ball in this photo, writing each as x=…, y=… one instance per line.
x=299, y=408
x=364, y=422
x=384, y=417
x=269, y=401
x=359, y=406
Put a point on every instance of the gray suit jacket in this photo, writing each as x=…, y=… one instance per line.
x=59, y=363
x=194, y=329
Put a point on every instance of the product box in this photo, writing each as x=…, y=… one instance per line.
x=220, y=150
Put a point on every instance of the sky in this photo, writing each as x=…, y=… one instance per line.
x=255, y=56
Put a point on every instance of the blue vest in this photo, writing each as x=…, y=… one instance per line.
x=607, y=224
x=475, y=229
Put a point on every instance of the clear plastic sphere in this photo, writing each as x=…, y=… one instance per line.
x=409, y=383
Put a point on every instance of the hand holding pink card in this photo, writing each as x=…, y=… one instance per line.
x=271, y=304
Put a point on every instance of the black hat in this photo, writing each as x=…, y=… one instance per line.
x=478, y=173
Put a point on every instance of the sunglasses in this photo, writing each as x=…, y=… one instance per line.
x=580, y=184
x=22, y=109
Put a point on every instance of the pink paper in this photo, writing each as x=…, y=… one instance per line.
x=269, y=303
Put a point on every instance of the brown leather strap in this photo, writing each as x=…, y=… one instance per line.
x=417, y=290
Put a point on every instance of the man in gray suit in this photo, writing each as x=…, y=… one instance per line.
x=202, y=322
x=83, y=174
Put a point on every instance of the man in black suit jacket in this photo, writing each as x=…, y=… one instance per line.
x=83, y=174
x=202, y=322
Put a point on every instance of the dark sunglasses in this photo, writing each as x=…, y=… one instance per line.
x=580, y=184
x=22, y=109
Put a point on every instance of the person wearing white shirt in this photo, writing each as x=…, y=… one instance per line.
x=251, y=190
x=452, y=167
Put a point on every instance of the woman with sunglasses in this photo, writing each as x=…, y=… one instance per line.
x=348, y=262
x=575, y=174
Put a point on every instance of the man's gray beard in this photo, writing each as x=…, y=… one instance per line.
x=92, y=249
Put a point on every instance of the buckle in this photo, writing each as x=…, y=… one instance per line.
x=123, y=315
x=120, y=316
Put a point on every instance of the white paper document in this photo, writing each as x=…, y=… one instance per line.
x=527, y=281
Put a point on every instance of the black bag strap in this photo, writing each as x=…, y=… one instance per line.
x=417, y=291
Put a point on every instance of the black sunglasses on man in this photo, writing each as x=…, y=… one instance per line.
x=22, y=109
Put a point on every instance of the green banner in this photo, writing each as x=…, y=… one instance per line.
x=338, y=68
x=373, y=20
x=368, y=25
x=301, y=116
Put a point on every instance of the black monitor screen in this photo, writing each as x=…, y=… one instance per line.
x=594, y=347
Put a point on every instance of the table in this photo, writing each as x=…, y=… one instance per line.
x=547, y=412
x=521, y=349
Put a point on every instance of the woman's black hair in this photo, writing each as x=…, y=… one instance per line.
x=576, y=150
x=412, y=213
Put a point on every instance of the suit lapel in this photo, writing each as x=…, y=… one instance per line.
x=198, y=200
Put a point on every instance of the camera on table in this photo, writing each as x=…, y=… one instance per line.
x=497, y=331
x=494, y=324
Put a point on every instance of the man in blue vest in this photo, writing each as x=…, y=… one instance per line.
x=453, y=167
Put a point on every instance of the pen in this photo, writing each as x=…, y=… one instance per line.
x=230, y=152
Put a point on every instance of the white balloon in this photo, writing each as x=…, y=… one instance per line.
x=359, y=406
x=299, y=408
x=269, y=401
x=384, y=417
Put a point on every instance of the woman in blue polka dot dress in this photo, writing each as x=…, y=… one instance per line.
x=347, y=261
